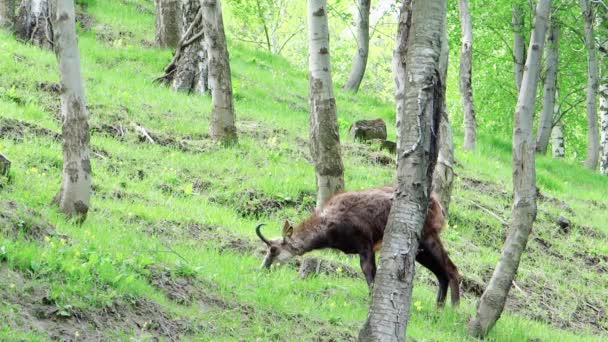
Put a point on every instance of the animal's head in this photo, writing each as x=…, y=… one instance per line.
x=279, y=249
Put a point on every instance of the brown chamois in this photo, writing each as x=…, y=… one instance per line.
x=354, y=222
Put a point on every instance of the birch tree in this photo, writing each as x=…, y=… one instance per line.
x=188, y=71
x=222, y=115
x=466, y=89
x=75, y=192
x=324, y=134
x=545, y=122
x=519, y=43
x=168, y=19
x=7, y=14
x=558, y=149
x=604, y=123
x=360, y=59
x=421, y=109
x=492, y=301
x=593, y=141
x=33, y=23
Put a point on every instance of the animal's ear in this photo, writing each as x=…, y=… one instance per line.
x=287, y=229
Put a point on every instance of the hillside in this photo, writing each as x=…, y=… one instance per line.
x=169, y=250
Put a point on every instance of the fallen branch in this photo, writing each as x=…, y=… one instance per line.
x=491, y=213
x=143, y=132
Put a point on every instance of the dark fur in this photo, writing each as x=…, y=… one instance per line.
x=354, y=223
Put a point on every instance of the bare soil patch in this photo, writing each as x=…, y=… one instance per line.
x=34, y=310
x=19, y=221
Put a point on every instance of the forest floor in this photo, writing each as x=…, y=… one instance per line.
x=168, y=250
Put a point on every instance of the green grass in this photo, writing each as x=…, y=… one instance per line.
x=140, y=189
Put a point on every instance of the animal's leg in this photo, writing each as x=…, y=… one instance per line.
x=428, y=260
x=368, y=265
x=433, y=245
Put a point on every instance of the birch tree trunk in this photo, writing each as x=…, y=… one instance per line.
x=604, y=123
x=519, y=43
x=545, y=122
x=557, y=141
x=492, y=301
x=7, y=14
x=168, y=18
x=417, y=153
x=324, y=134
x=466, y=89
x=188, y=71
x=443, y=176
x=33, y=23
x=75, y=192
x=220, y=82
x=593, y=141
x=360, y=59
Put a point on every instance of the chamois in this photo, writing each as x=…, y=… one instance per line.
x=353, y=222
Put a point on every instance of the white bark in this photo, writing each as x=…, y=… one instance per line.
x=222, y=116
x=545, y=122
x=324, y=134
x=593, y=141
x=360, y=59
x=604, y=124
x=466, y=88
x=519, y=43
x=33, y=23
x=557, y=141
x=7, y=14
x=417, y=152
x=73, y=197
x=168, y=18
x=492, y=301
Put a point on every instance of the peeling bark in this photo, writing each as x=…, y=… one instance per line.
x=604, y=124
x=466, y=89
x=360, y=59
x=220, y=80
x=7, y=14
x=417, y=154
x=545, y=122
x=593, y=141
x=33, y=23
x=519, y=43
x=74, y=194
x=492, y=301
x=324, y=134
x=168, y=18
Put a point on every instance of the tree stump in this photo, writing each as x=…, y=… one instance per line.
x=364, y=130
x=33, y=23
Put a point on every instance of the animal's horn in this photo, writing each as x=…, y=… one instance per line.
x=259, y=233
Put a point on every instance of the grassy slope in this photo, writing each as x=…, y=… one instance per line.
x=145, y=194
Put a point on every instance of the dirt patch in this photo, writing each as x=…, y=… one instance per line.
x=485, y=187
x=224, y=239
x=140, y=134
x=554, y=201
x=597, y=262
x=17, y=130
x=254, y=203
x=50, y=87
x=181, y=289
x=258, y=131
x=590, y=232
x=85, y=21
x=32, y=309
x=312, y=266
x=17, y=220
x=474, y=286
